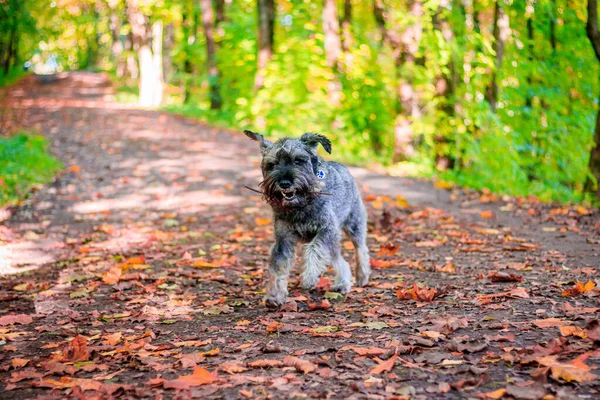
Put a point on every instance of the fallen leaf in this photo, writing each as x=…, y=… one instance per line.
x=75, y=351
x=265, y=363
x=448, y=268
x=389, y=249
x=579, y=288
x=199, y=377
x=549, y=322
x=496, y=276
x=19, y=362
x=322, y=305
x=301, y=365
x=385, y=366
x=423, y=294
x=232, y=368
x=365, y=351
x=12, y=319
x=574, y=371
x=570, y=330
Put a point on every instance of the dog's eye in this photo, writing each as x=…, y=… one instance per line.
x=269, y=166
x=299, y=161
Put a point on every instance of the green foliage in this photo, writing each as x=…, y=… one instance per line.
x=24, y=162
x=537, y=141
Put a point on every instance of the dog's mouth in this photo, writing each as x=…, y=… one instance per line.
x=288, y=195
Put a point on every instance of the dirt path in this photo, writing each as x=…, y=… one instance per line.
x=146, y=258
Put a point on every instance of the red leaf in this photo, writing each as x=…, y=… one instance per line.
x=12, y=319
x=75, y=351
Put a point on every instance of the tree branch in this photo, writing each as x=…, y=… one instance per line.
x=592, y=26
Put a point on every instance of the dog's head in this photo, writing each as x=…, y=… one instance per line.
x=290, y=168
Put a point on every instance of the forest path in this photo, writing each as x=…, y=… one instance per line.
x=166, y=193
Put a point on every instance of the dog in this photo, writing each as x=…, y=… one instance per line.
x=313, y=201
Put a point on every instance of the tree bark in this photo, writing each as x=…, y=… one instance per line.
x=211, y=58
x=333, y=49
x=116, y=47
x=157, y=61
x=594, y=164
x=150, y=82
x=404, y=45
x=219, y=11
x=187, y=25
x=169, y=42
x=266, y=27
x=500, y=33
x=346, y=25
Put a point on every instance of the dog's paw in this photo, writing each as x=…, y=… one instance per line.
x=342, y=287
x=275, y=300
x=309, y=281
x=362, y=280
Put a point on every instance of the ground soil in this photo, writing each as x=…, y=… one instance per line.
x=147, y=256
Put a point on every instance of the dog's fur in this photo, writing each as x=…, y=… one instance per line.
x=311, y=210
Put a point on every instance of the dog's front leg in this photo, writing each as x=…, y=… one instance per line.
x=282, y=260
x=317, y=255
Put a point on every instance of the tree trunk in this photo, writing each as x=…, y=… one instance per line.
x=211, y=60
x=11, y=46
x=169, y=42
x=219, y=11
x=333, y=49
x=408, y=99
x=347, y=26
x=188, y=26
x=594, y=165
x=266, y=26
x=500, y=33
x=157, y=50
x=116, y=47
x=150, y=82
x=553, y=27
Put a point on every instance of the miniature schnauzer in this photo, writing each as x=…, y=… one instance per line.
x=313, y=201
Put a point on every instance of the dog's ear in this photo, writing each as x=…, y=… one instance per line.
x=264, y=143
x=312, y=140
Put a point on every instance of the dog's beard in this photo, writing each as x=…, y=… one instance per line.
x=299, y=194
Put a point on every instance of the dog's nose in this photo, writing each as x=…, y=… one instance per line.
x=285, y=184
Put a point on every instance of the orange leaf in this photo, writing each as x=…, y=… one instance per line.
x=262, y=221
x=113, y=275
x=429, y=243
x=323, y=284
x=210, y=353
x=323, y=305
x=200, y=377
x=487, y=214
x=448, y=268
x=389, y=249
x=301, y=365
x=570, y=330
x=265, y=364
x=549, y=322
x=385, y=366
x=75, y=351
x=232, y=368
x=574, y=371
x=579, y=288
x=113, y=339
x=496, y=394
x=365, y=351
x=423, y=294
x=19, y=362
x=381, y=263
x=204, y=264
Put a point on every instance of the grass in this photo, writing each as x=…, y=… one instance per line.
x=13, y=76
x=24, y=163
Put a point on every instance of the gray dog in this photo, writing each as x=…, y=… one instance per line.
x=313, y=201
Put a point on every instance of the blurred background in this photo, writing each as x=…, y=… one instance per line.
x=496, y=94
